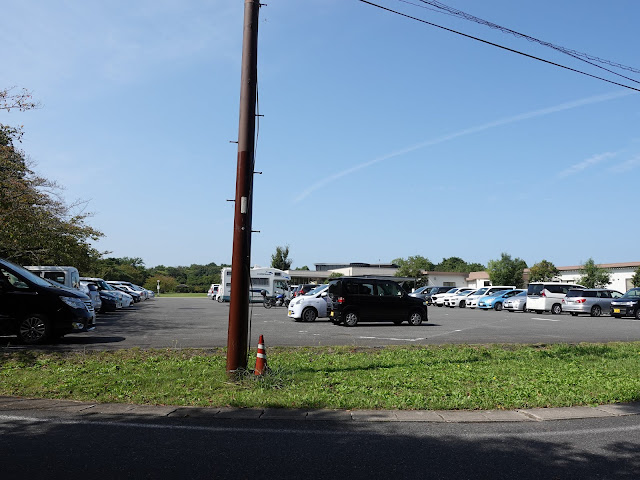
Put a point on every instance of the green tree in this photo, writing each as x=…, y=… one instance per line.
x=38, y=226
x=335, y=275
x=635, y=280
x=305, y=268
x=281, y=259
x=593, y=276
x=456, y=264
x=507, y=271
x=167, y=284
x=414, y=267
x=543, y=271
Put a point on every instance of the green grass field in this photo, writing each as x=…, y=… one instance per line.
x=429, y=377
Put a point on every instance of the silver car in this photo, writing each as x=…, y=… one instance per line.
x=517, y=303
x=592, y=301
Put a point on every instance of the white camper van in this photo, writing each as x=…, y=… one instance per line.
x=67, y=276
x=271, y=280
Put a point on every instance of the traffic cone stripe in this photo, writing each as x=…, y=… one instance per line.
x=261, y=358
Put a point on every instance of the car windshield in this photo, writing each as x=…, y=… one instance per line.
x=453, y=290
x=481, y=291
x=316, y=290
x=30, y=276
x=634, y=293
x=498, y=293
x=522, y=294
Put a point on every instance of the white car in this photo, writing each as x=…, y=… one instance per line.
x=442, y=300
x=459, y=299
x=311, y=305
x=472, y=300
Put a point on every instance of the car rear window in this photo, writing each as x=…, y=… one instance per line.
x=581, y=293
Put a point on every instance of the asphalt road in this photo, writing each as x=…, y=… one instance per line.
x=202, y=323
x=51, y=445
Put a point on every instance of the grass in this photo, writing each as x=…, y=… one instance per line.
x=426, y=377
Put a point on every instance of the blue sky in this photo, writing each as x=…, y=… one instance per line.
x=381, y=138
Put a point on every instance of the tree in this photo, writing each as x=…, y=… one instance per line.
x=305, y=268
x=635, y=280
x=456, y=264
x=167, y=284
x=543, y=271
x=593, y=276
x=414, y=267
x=281, y=259
x=335, y=275
x=507, y=271
x=38, y=226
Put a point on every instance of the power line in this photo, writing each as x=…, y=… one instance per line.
x=583, y=57
x=442, y=8
x=499, y=46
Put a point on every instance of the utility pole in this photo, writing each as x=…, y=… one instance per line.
x=241, y=259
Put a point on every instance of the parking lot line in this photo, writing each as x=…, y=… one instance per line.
x=545, y=319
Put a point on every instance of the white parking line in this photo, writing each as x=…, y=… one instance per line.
x=544, y=319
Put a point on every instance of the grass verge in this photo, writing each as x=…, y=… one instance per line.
x=425, y=377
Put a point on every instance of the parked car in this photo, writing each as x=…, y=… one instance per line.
x=91, y=290
x=37, y=310
x=593, y=301
x=311, y=305
x=517, y=303
x=130, y=287
x=458, y=299
x=67, y=276
x=628, y=305
x=124, y=299
x=110, y=301
x=438, y=300
x=213, y=290
x=363, y=299
x=496, y=300
x=547, y=296
x=426, y=293
x=302, y=289
x=472, y=300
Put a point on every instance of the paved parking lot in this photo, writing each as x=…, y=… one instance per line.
x=202, y=323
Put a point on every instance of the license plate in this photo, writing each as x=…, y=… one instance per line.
x=331, y=314
x=290, y=312
x=616, y=310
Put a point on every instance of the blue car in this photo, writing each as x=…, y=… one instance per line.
x=495, y=300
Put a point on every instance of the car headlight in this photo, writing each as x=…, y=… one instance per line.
x=74, y=302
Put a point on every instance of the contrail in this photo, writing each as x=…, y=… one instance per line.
x=462, y=133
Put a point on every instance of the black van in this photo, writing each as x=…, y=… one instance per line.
x=36, y=309
x=364, y=299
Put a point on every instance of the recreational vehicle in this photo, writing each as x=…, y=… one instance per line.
x=272, y=280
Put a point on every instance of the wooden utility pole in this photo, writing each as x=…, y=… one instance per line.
x=241, y=259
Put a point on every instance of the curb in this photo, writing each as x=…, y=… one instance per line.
x=87, y=410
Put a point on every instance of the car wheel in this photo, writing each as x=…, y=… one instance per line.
x=351, y=319
x=498, y=306
x=33, y=329
x=416, y=318
x=637, y=314
x=556, y=309
x=524, y=308
x=462, y=304
x=309, y=315
x=596, y=311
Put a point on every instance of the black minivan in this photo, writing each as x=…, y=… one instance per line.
x=36, y=310
x=365, y=299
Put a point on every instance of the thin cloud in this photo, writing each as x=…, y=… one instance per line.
x=626, y=166
x=589, y=162
x=462, y=133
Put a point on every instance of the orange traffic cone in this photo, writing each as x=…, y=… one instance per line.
x=261, y=358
